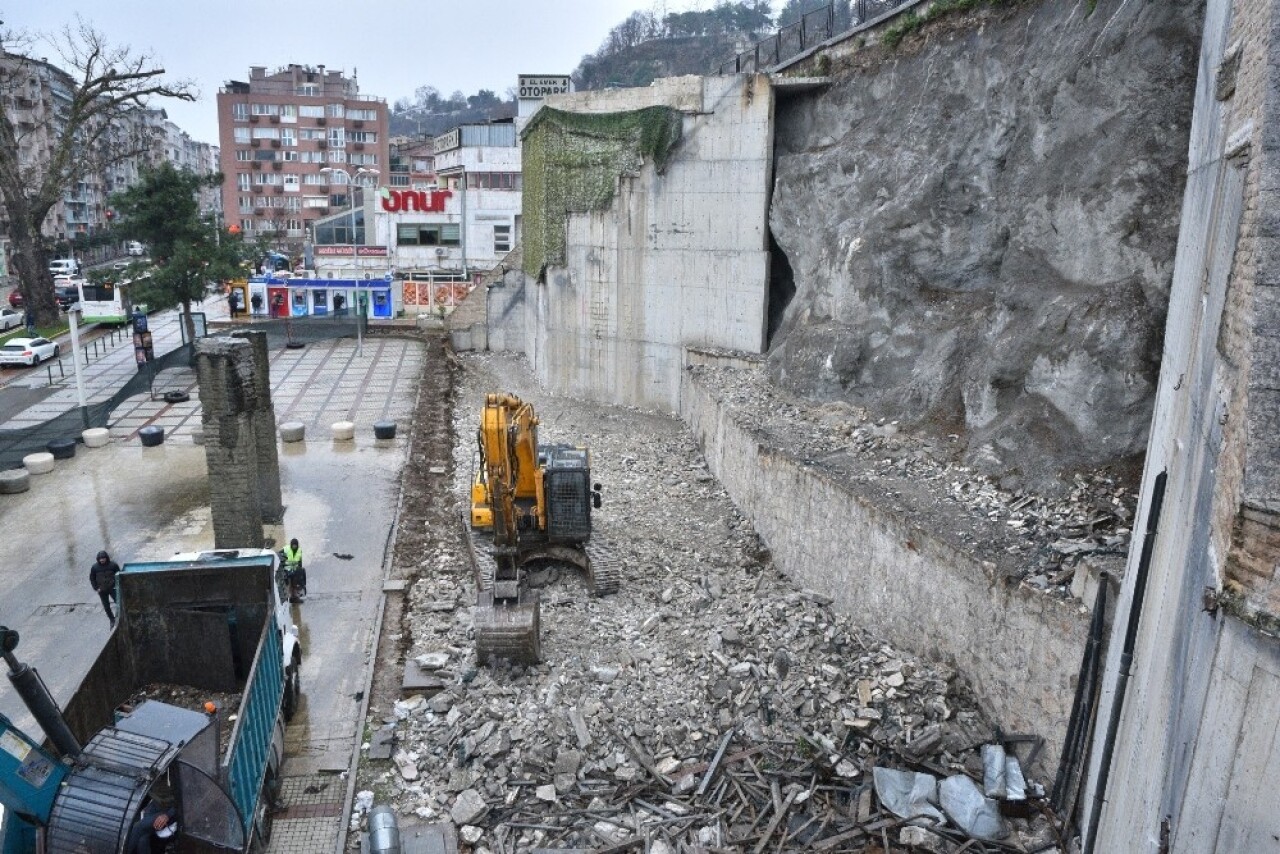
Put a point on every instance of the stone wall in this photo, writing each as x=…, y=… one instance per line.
x=1019, y=650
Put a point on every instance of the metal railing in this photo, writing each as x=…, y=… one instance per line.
x=813, y=28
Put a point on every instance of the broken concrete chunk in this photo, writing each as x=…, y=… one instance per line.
x=432, y=660
x=468, y=808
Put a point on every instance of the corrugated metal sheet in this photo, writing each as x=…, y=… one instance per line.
x=491, y=135
x=251, y=739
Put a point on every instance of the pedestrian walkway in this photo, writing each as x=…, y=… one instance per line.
x=325, y=381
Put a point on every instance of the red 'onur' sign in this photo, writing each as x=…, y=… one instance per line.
x=425, y=201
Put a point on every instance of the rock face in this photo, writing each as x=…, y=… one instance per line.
x=981, y=228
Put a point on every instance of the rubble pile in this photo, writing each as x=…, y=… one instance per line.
x=708, y=704
x=187, y=697
x=1034, y=538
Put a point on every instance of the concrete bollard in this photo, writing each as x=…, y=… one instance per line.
x=96, y=437
x=39, y=463
x=293, y=431
x=197, y=435
x=151, y=436
x=343, y=431
x=62, y=449
x=13, y=481
x=384, y=429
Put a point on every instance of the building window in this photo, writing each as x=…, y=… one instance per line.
x=310, y=156
x=309, y=90
x=334, y=111
x=290, y=156
x=501, y=239
x=422, y=234
x=293, y=224
x=242, y=135
x=337, y=156
x=364, y=159
x=337, y=138
x=311, y=133
x=292, y=203
x=240, y=111
x=493, y=181
x=399, y=181
x=246, y=225
x=246, y=204
x=312, y=112
x=291, y=183
x=244, y=154
x=265, y=109
x=315, y=179
x=243, y=180
x=363, y=136
x=288, y=136
x=264, y=154
x=428, y=165
x=266, y=133
x=363, y=115
x=289, y=113
x=315, y=202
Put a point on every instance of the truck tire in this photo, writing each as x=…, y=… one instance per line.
x=292, y=691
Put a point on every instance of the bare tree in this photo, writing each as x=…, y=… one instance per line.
x=98, y=128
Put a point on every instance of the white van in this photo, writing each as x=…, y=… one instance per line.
x=64, y=267
x=135, y=248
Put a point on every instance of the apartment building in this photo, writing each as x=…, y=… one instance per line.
x=291, y=143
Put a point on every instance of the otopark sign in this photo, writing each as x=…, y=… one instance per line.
x=422, y=201
x=541, y=85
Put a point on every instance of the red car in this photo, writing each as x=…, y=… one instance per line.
x=15, y=298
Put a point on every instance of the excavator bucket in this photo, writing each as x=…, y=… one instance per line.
x=507, y=629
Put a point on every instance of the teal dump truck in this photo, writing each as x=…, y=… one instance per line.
x=212, y=622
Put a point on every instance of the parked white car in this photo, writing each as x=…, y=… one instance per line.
x=10, y=318
x=27, y=351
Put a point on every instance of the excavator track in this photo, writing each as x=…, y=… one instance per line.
x=604, y=572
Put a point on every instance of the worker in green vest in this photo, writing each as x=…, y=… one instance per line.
x=294, y=571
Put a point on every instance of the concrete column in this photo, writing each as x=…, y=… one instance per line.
x=263, y=415
x=228, y=386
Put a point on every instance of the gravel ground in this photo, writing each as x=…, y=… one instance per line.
x=605, y=743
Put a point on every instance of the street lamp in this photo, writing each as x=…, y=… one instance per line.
x=355, y=263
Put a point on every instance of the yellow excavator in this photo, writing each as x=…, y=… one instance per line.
x=536, y=500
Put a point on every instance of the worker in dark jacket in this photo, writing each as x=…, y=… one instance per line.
x=102, y=577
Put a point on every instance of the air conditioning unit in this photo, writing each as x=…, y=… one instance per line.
x=323, y=188
x=256, y=143
x=275, y=143
x=358, y=146
x=439, y=251
x=257, y=164
x=275, y=120
x=322, y=121
x=253, y=120
x=277, y=166
x=278, y=190
x=358, y=123
x=322, y=143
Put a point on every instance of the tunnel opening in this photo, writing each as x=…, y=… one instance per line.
x=782, y=289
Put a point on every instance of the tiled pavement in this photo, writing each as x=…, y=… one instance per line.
x=311, y=810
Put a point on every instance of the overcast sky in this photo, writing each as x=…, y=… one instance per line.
x=395, y=46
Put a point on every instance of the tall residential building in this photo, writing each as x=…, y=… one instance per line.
x=290, y=143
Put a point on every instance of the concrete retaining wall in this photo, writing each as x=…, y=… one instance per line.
x=1019, y=651
x=679, y=259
